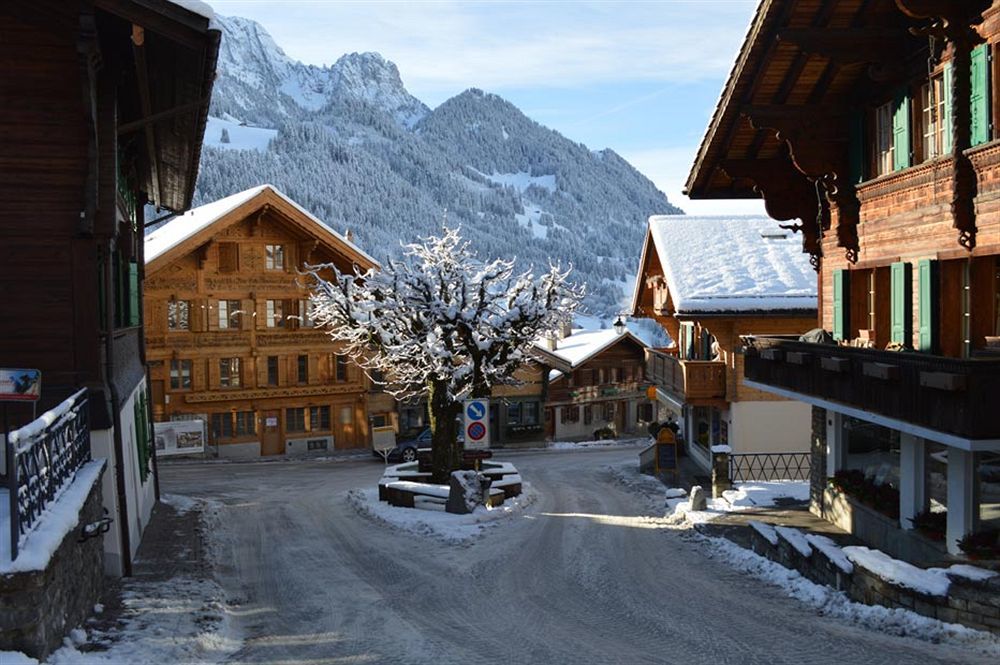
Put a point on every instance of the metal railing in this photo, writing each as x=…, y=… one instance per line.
x=764, y=467
x=42, y=459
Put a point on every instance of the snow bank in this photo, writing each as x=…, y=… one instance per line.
x=676, y=493
x=522, y=180
x=722, y=450
x=970, y=572
x=828, y=602
x=930, y=582
x=180, y=503
x=832, y=551
x=795, y=538
x=241, y=137
x=748, y=495
x=440, y=525
x=16, y=658
x=603, y=443
x=58, y=519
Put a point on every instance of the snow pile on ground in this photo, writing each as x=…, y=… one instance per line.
x=180, y=503
x=829, y=602
x=58, y=519
x=436, y=524
x=744, y=496
x=603, y=443
x=240, y=136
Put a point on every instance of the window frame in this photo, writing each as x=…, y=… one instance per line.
x=302, y=369
x=231, y=372
x=176, y=320
x=274, y=313
x=177, y=367
x=274, y=257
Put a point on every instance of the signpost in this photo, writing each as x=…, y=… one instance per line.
x=16, y=385
x=477, y=430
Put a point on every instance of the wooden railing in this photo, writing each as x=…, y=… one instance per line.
x=690, y=379
x=949, y=395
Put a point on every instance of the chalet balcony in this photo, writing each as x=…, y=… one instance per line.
x=689, y=380
x=949, y=395
x=605, y=391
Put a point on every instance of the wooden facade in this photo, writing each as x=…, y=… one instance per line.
x=229, y=337
x=874, y=128
x=604, y=389
x=105, y=105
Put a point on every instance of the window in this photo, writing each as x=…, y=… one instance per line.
x=588, y=414
x=615, y=375
x=272, y=370
x=570, y=414
x=885, y=151
x=295, y=420
x=609, y=411
x=274, y=257
x=180, y=374
x=229, y=314
x=179, y=315
x=303, y=369
x=600, y=376
x=222, y=425
x=306, y=314
x=933, y=126
x=644, y=414
x=514, y=413
x=275, y=314
x=229, y=257
x=529, y=413
x=229, y=372
x=340, y=368
x=246, y=423
x=380, y=420
x=319, y=418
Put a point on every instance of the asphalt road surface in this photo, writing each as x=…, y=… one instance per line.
x=579, y=578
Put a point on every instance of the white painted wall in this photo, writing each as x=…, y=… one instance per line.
x=101, y=446
x=771, y=426
x=140, y=496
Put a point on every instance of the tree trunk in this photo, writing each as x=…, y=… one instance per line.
x=446, y=455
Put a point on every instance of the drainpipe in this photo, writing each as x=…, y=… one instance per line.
x=116, y=418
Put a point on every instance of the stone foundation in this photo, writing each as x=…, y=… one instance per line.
x=38, y=608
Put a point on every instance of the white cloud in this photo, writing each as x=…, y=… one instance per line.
x=668, y=168
x=441, y=46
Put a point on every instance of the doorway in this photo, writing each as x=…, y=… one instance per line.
x=271, y=442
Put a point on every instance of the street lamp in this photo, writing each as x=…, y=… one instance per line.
x=619, y=325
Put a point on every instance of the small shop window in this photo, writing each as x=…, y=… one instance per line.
x=246, y=423
x=570, y=414
x=319, y=418
x=295, y=419
x=530, y=413
x=514, y=413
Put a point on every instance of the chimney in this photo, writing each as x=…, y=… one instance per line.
x=565, y=329
x=551, y=343
x=349, y=235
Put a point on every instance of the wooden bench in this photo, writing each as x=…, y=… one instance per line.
x=402, y=493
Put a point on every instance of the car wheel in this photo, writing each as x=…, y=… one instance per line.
x=409, y=454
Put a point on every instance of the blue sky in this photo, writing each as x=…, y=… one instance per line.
x=639, y=77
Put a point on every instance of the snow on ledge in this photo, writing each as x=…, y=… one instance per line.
x=722, y=450
x=971, y=573
x=58, y=519
x=766, y=531
x=832, y=552
x=796, y=539
x=436, y=524
x=930, y=582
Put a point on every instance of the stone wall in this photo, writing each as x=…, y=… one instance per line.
x=38, y=608
x=975, y=604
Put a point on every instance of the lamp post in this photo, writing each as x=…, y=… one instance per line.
x=619, y=325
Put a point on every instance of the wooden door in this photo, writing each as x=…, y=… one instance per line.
x=550, y=422
x=271, y=442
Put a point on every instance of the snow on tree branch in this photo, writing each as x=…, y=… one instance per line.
x=441, y=314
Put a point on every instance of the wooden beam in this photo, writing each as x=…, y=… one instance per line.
x=141, y=123
x=849, y=45
x=145, y=103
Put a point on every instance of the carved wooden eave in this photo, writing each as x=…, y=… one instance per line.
x=788, y=195
x=847, y=46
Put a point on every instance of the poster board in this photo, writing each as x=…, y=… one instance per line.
x=20, y=385
x=383, y=438
x=179, y=437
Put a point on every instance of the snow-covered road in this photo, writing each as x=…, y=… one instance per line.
x=583, y=577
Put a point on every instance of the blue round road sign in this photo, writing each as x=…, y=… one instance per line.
x=476, y=431
x=475, y=411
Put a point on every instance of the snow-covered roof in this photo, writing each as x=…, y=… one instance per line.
x=582, y=345
x=185, y=226
x=731, y=264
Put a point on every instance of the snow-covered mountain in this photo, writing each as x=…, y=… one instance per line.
x=352, y=145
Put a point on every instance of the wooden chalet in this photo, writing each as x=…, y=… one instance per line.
x=709, y=281
x=873, y=128
x=104, y=108
x=596, y=382
x=229, y=335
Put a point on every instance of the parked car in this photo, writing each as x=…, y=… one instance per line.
x=407, y=450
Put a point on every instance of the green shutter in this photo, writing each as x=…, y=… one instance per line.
x=902, y=307
x=901, y=131
x=980, y=100
x=856, y=147
x=927, y=299
x=133, y=294
x=841, y=304
x=946, y=120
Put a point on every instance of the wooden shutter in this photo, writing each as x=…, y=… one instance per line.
x=901, y=131
x=134, y=299
x=841, y=304
x=946, y=119
x=229, y=257
x=856, y=147
x=980, y=99
x=927, y=299
x=901, y=308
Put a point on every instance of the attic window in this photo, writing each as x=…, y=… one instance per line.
x=774, y=235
